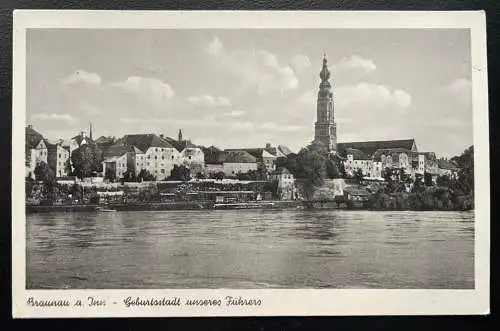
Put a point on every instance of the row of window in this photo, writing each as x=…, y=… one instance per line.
x=141, y=157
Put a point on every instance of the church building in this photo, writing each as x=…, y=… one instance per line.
x=325, y=128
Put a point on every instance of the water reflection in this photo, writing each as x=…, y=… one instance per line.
x=250, y=249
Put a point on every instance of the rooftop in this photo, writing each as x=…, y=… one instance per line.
x=370, y=147
x=144, y=141
x=239, y=156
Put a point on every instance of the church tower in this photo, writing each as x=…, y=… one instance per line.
x=325, y=129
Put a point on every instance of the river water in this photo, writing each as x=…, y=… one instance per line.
x=250, y=249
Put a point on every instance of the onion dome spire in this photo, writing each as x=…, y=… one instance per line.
x=325, y=75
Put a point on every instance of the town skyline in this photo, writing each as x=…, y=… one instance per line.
x=252, y=86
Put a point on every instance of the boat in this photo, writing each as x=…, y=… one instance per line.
x=105, y=209
x=243, y=205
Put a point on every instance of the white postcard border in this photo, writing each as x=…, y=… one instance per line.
x=299, y=302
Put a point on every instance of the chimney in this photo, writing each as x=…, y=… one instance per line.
x=161, y=135
x=84, y=135
x=268, y=145
x=30, y=126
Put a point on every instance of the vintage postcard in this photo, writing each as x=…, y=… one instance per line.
x=249, y=163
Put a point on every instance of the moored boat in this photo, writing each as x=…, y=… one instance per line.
x=103, y=209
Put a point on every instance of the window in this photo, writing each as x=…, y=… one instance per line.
x=156, y=149
x=163, y=157
x=149, y=157
x=59, y=155
x=162, y=171
x=172, y=157
x=156, y=157
x=190, y=157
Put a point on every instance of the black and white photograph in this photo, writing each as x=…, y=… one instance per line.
x=250, y=158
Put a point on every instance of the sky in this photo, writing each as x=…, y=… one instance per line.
x=243, y=88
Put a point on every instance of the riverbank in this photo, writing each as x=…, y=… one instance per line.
x=180, y=206
x=153, y=206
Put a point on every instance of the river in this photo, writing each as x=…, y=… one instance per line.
x=250, y=249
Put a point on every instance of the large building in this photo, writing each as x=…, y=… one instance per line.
x=153, y=153
x=38, y=149
x=35, y=151
x=325, y=129
x=373, y=157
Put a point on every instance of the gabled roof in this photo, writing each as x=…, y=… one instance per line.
x=32, y=137
x=118, y=150
x=239, y=156
x=356, y=154
x=213, y=155
x=255, y=152
x=285, y=150
x=143, y=141
x=447, y=164
x=275, y=151
x=180, y=145
x=102, y=140
x=79, y=138
x=370, y=147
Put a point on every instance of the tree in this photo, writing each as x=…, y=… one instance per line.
x=465, y=163
x=261, y=173
x=311, y=163
x=443, y=181
x=332, y=168
x=29, y=184
x=272, y=186
x=289, y=162
x=45, y=174
x=427, y=179
x=358, y=175
x=180, y=172
x=145, y=175
x=67, y=167
x=129, y=176
x=387, y=174
x=418, y=184
x=403, y=176
x=76, y=192
x=86, y=159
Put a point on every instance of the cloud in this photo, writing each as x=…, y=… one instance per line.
x=459, y=86
x=257, y=68
x=65, y=118
x=300, y=62
x=309, y=98
x=82, y=76
x=88, y=108
x=215, y=46
x=273, y=126
x=355, y=62
x=234, y=113
x=207, y=100
x=151, y=89
x=372, y=96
